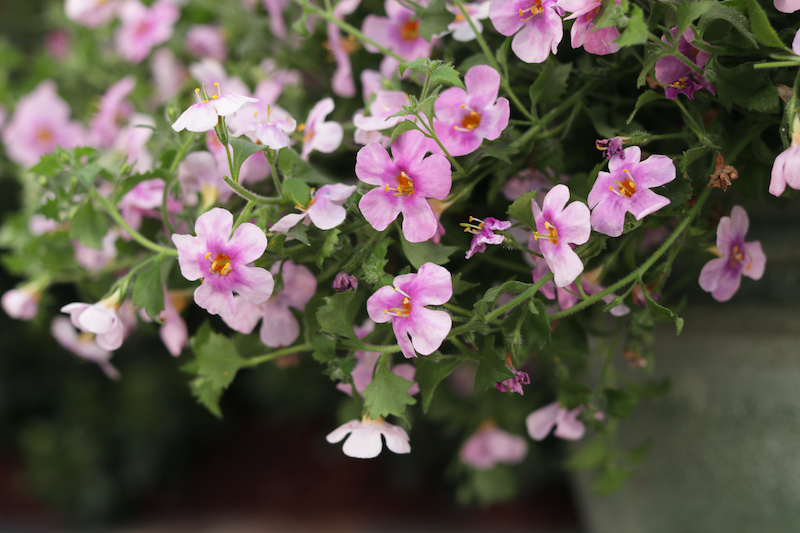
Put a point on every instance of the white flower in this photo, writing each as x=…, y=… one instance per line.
x=365, y=438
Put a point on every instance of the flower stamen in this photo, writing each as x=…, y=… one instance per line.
x=410, y=30
x=405, y=185
x=626, y=188
x=221, y=264
x=552, y=236
x=534, y=10
x=402, y=312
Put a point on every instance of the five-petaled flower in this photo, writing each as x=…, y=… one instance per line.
x=220, y=260
x=538, y=23
x=204, y=115
x=404, y=184
x=722, y=276
x=490, y=446
x=541, y=421
x=558, y=226
x=404, y=305
x=484, y=233
x=626, y=188
x=365, y=437
x=325, y=209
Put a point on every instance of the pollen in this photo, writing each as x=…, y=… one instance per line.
x=535, y=9
x=471, y=121
x=405, y=185
x=221, y=264
x=552, y=236
x=410, y=30
x=625, y=188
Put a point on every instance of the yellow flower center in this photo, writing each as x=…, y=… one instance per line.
x=405, y=186
x=625, y=188
x=221, y=264
x=534, y=10
x=410, y=30
x=552, y=236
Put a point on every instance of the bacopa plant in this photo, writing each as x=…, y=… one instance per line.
x=584, y=171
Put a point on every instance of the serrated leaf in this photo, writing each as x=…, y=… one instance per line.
x=732, y=17
x=660, y=312
x=324, y=348
x=761, y=27
x=610, y=14
x=688, y=12
x=589, y=456
x=217, y=358
x=537, y=325
x=430, y=372
x=521, y=209
x=148, y=290
x=635, y=33
x=49, y=165
x=338, y=314
x=387, y=394
x=691, y=155
x=89, y=226
x=492, y=367
x=420, y=64
x=620, y=402
x=551, y=83
x=402, y=127
x=300, y=232
x=207, y=395
x=744, y=86
x=419, y=253
x=487, y=300
x=329, y=246
x=373, y=265
x=445, y=73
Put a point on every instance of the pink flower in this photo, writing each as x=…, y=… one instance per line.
x=210, y=72
x=144, y=200
x=365, y=438
x=626, y=188
x=484, y=234
x=273, y=132
x=22, y=303
x=786, y=168
x=342, y=81
x=465, y=118
x=460, y=28
x=92, y=259
x=677, y=77
x=143, y=28
x=83, y=346
x=200, y=176
x=491, y=446
x=599, y=42
x=319, y=135
x=526, y=180
x=101, y=319
x=275, y=9
x=204, y=115
x=787, y=6
x=566, y=422
x=537, y=21
x=91, y=13
x=279, y=327
x=221, y=261
x=514, y=384
x=205, y=40
x=131, y=142
x=557, y=228
x=398, y=31
x=40, y=123
x=417, y=328
x=113, y=112
x=57, y=43
x=722, y=276
x=173, y=330
x=404, y=184
x=324, y=209
x=168, y=74
x=385, y=104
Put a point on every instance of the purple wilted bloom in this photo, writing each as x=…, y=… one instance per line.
x=676, y=76
x=484, y=233
x=491, y=446
x=385, y=104
x=460, y=28
x=342, y=81
x=722, y=276
x=279, y=327
x=273, y=132
x=204, y=115
x=538, y=23
x=398, y=31
x=514, y=384
x=199, y=175
x=365, y=438
x=114, y=111
x=610, y=147
x=786, y=168
x=91, y=13
x=626, y=188
x=344, y=282
x=205, y=40
x=465, y=118
x=541, y=421
x=559, y=225
x=83, y=345
x=221, y=260
x=403, y=185
x=101, y=319
x=599, y=42
x=40, y=123
x=142, y=28
x=324, y=209
x=22, y=303
x=319, y=135
x=787, y=6
x=404, y=305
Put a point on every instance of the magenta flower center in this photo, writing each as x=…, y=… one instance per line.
x=410, y=30
x=221, y=264
x=534, y=10
x=405, y=186
x=625, y=188
x=737, y=256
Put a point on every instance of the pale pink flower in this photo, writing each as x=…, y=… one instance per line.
x=168, y=73
x=101, y=319
x=83, y=345
x=365, y=438
x=143, y=28
x=209, y=72
x=342, y=81
x=274, y=132
x=460, y=29
x=92, y=259
x=131, y=142
x=536, y=23
x=173, y=331
x=398, y=31
x=200, y=177
x=541, y=421
x=491, y=446
x=484, y=234
x=204, y=115
x=113, y=112
x=583, y=33
x=786, y=168
x=205, y=40
x=787, y=6
x=91, y=13
x=275, y=10
x=22, y=303
x=325, y=209
x=318, y=134
x=385, y=104
x=57, y=43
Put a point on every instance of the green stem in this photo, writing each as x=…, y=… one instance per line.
x=135, y=235
x=777, y=64
x=250, y=196
x=254, y=361
x=181, y=153
x=644, y=267
x=432, y=134
x=244, y=215
x=358, y=345
x=563, y=106
x=272, y=155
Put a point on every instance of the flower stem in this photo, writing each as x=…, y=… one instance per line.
x=272, y=155
x=251, y=196
x=254, y=361
x=135, y=235
x=432, y=134
x=181, y=153
x=244, y=215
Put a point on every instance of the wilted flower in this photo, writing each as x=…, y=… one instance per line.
x=344, y=282
x=484, y=233
x=83, y=345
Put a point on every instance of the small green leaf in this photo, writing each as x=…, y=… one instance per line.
x=286, y=160
x=492, y=367
x=419, y=253
x=610, y=14
x=242, y=149
x=635, y=33
x=338, y=314
x=660, y=312
x=521, y=209
x=691, y=155
x=217, y=358
x=420, y=64
x=207, y=395
x=299, y=232
x=445, y=73
x=761, y=27
x=296, y=192
x=329, y=246
x=620, y=402
x=537, y=324
x=89, y=226
x=551, y=83
x=589, y=456
x=402, y=127
x=732, y=16
x=431, y=371
x=324, y=348
x=644, y=99
x=372, y=267
x=459, y=285
x=688, y=12
x=148, y=290
x=387, y=394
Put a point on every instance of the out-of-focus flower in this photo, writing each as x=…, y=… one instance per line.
x=93, y=259
x=143, y=28
x=144, y=200
x=325, y=209
x=787, y=6
x=113, y=112
x=541, y=421
x=168, y=74
x=275, y=10
x=537, y=24
x=318, y=134
x=57, y=43
x=385, y=104
x=595, y=41
x=491, y=446
x=342, y=81
x=365, y=438
x=786, y=168
x=274, y=132
x=83, y=345
x=22, y=303
x=677, y=76
x=91, y=13
x=101, y=319
x=398, y=32
x=205, y=40
x=201, y=178
x=460, y=29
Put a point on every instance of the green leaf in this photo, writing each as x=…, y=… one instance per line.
x=489, y=487
x=207, y=395
x=640, y=452
x=431, y=371
x=217, y=358
x=732, y=17
x=491, y=294
x=620, y=402
x=660, y=312
x=338, y=314
x=537, y=324
x=387, y=394
x=521, y=209
x=551, y=83
x=500, y=149
x=296, y=192
x=419, y=253
x=420, y=64
x=644, y=99
x=148, y=290
x=89, y=226
x=459, y=285
x=635, y=33
x=300, y=232
x=330, y=245
x=688, y=12
x=502, y=54
x=691, y=155
x=589, y=456
x=744, y=86
x=492, y=367
x=447, y=74
x=402, y=127
x=372, y=267
x=286, y=160
x=324, y=348
x=49, y=165
x=610, y=480
x=761, y=27
x=610, y=14
x=242, y=149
